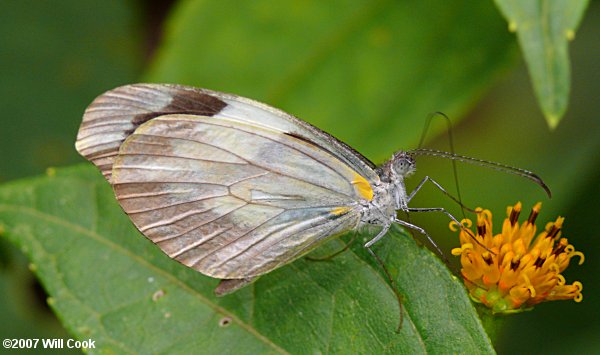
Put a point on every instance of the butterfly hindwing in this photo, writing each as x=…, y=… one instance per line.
x=232, y=199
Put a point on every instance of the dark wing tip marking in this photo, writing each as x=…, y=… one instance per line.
x=116, y=114
x=184, y=101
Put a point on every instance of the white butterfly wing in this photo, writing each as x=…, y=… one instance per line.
x=232, y=199
x=113, y=116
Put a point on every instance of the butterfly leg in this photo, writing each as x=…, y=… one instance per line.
x=436, y=184
x=424, y=232
x=435, y=209
x=379, y=235
x=329, y=257
x=443, y=210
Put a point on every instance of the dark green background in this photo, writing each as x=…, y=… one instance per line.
x=56, y=57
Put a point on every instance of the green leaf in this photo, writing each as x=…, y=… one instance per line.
x=544, y=28
x=56, y=56
x=368, y=72
x=110, y=284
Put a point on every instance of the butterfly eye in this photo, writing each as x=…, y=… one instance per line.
x=404, y=164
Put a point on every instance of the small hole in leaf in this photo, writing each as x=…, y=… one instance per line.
x=157, y=295
x=225, y=321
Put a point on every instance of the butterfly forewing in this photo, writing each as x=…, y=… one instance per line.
x=115, y=115
x=232, y=199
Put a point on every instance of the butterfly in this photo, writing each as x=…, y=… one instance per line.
x=234, y=188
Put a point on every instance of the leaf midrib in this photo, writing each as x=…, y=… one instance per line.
x=117, y=248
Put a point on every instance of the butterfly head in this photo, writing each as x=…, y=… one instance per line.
x=403, y=164
x=400, y=166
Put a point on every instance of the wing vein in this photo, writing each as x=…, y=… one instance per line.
x=263, y=237
x=282, y=143
x=198, y=242
x=131, y=99
x=169, y=237
x=236, y=239
x=152, y=194
x=91, y=134
x=303, y=250
x=110, y=142
x=164, y=182
x=258, y=165
x=176, y=218
x=174, y=204
x=196, y=141
x=179, y=157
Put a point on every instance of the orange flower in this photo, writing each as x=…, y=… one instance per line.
x=513, y=271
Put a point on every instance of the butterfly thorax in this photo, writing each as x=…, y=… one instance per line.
x=390, y=194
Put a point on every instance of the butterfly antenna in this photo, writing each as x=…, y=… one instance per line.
x=488, y=164
x=425, y=129
x=451, y=144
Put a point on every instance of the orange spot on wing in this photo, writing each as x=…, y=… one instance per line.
x=363, y=187
x=340, y=210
